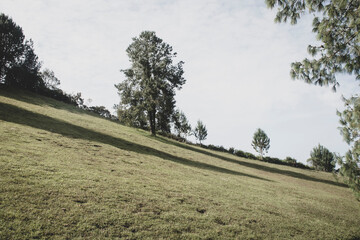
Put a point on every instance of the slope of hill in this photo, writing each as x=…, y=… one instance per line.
x=65, y=173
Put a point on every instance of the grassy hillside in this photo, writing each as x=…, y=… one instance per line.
x=67, y=174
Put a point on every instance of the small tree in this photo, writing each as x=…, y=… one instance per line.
x=200, y=131
x=181, y=124
x=291, y=161
x=51, y=82
x=261, y=142
x=322, y=159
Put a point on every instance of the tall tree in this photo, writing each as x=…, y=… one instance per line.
x=337, y=26
x=151, y=81
x=322, y=159
x=200, y=131
x=260, y=142
x=11, y=44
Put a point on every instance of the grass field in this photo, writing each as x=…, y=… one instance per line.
x=68, y=174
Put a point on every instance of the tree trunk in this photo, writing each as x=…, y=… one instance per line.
x=152, y=122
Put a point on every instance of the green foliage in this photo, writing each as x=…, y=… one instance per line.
x=231, y=150
x=200, y=131
x=11, y=45
x=261, y=142
x=149, y=88
x=291, y=161
x=350, y=121
x=19, y=65
x=336, y=25
x=337, y=28
x=181, y=124
x=101, y=111
x=49, y=79
x=322, y=159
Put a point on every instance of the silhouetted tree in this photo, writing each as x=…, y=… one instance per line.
x=25, y=71
x=19, y=65
x=11, y=45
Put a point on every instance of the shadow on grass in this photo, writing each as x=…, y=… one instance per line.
x=251, y=165
x=38, y=99
x=11, y=113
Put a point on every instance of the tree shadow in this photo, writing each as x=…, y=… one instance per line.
x=27, y=96
x=14, y=114
x=250, y=164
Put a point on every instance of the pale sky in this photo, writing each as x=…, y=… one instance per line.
x=237, y=64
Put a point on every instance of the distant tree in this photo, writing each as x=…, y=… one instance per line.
x=232, y=150
x=261, y=142
x=11, y=45
x=149, y=87
x=181, y=124
x=322, y=159
x=200, y=131
x=100, y=110
x=290, y=161
x=49, y=79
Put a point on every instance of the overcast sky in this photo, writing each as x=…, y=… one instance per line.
x=237, y=64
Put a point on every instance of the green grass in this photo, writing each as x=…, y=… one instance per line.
x=67, y=174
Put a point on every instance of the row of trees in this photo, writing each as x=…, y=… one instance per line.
x=148, y=94
x=337, y=26
x=320, y=157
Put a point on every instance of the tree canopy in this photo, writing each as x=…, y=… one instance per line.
x=336, y=25
x=200, y=131
x=147, y=94
x=11, y=44
x=261, y=142
x=19, y=65
x=181, y=124
x=322, y=159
